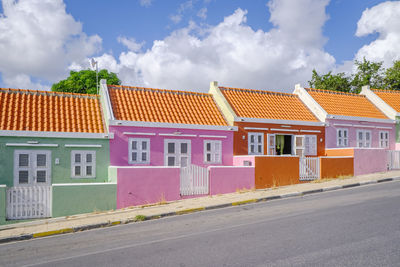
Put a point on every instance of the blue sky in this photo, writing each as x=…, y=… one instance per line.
x=265, y=44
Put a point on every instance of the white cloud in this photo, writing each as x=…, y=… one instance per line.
x=202, y=13
x=145, y=3
x=383, y=19
x=39, y=39
x=176, y=18
x=236, y=55
x=130, y=43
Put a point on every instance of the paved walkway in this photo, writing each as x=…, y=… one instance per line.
x=52, y=226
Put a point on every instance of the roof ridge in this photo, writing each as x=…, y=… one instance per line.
x=333, y=92
x=386, y=90
x=159, y=90
x=258, y=91
x=49, y=93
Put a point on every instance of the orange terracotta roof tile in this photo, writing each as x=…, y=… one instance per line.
x=158, y=105
x=345, y=104
x=249, y=103
x=391, y=97
x=31, y=110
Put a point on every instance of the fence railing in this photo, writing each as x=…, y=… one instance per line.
x=309, y=168
x=194, y=180
x=393, y=159
x=26, y=202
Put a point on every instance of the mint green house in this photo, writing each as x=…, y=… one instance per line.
x=54, y=155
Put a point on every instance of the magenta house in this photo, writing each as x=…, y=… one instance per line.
x=154, y=127
x=169, y=145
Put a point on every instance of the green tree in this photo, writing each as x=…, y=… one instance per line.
x=84, y=81
x=329, y=81
x=368, y=73
x=392, y=77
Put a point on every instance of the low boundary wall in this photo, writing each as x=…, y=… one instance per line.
x=77, y=198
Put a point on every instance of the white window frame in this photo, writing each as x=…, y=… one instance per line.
x=271, y=146
x=177, y=154
x=215, y=152
x=83, y=164
x=310, y=145
x=256, y=143
x=342, y=141
x=301, y=147
x=384, y=141
x=139, y=151
x=364, y=142
x=32, y=167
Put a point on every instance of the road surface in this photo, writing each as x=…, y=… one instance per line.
x=351, y=227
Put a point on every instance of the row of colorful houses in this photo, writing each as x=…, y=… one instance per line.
x=63, y=154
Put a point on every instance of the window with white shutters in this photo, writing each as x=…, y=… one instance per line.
x=342, y=139
x=256, y=144
x=32, y=167
x=212, y=151
x=83, y=164
x=271, y=144
x=139, y=150
x=299, y=145
x=177, y=152
x=384, y=139
x=364, y=138
x=310, y=145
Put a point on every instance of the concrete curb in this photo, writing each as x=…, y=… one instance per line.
x=188, y=211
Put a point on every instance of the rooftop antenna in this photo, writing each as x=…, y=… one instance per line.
x=94, y=63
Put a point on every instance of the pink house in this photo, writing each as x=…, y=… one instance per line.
x=169, y=144
x=354, y=127
x=154, y=127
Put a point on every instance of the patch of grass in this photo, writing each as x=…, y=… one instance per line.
x=139, y=218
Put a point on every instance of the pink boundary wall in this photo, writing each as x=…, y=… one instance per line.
x=145, y=185
x=330, y=132
x=119, y=145
x=141, y=185
x=229, y=179
x=369, y=161
x=366, y=160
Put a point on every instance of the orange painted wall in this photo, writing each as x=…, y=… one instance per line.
x=240, y=145
x=336, y=166
x=339, y=152
x=276, y=171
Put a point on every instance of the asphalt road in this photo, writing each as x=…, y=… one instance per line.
x=352, y=227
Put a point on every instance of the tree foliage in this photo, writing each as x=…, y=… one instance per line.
x=367, y=73
x=329, y=81
x=84, y=81
x=392, y=76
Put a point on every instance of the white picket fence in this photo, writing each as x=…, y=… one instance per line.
x=393, y=159
x=27, y=202
x=194, y=181
x=309, y=168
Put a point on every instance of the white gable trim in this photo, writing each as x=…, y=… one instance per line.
x=256, y=128
x=310, y=102
x=379, y=103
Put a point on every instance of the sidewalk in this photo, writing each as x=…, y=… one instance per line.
x=69, y=224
